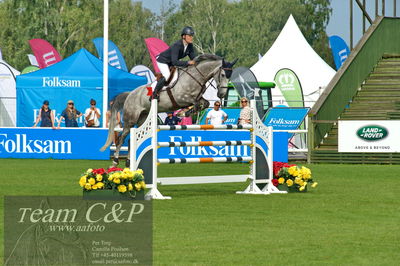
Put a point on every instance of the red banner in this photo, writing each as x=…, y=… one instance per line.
x=44, y=52
x=155, y=47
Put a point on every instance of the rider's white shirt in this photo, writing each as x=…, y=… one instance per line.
x=216, y=117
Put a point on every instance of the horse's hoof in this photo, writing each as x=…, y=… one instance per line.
x=115, y=162
x=128, y=163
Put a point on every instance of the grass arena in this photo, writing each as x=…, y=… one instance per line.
x=351, y=218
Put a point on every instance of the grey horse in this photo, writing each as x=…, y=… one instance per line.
x=187, y=91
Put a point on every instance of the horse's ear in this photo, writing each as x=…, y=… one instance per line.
x=234, y=62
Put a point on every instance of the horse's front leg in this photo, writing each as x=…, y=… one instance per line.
x=198, y=106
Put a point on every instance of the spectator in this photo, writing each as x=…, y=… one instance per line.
x=70, y=114
x=171, y=120
x=185, y=120
x=118, y=122
x=216, y=116
x=46, y=116
x=245, y=113
x=92, y=115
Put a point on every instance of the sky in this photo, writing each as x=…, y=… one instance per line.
x=339, y=23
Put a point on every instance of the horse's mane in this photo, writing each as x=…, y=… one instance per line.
x=204, y=57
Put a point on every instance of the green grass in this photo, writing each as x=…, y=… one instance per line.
x=351, y=218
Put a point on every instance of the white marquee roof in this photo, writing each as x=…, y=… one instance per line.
x=291, y=50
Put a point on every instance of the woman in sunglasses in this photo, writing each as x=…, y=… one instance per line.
x=70, y=114
x=245, y=113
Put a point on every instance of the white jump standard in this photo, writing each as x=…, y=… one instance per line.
x=260, y=159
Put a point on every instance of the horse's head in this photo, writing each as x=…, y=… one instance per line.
x=222, y=77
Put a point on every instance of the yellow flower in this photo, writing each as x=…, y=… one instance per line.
x=138, y=186
x=130, y=187
x=94, y=186
x=122, y=188
x=99, y=177
x=126, y=169
x=92, y=181
x=100, y=185
x=89, y=170
x=110, y=177
x=281, y=180
x=289, y=182
x=302, y=188
x=139, y=171
x=297, y=180
x=142, y=184
x=88, y=186
x=291, y=170
x=82, y=181
x=315, y=184
x=124, y=176
x=117, y=180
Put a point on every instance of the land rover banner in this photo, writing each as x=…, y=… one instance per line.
x=369, y=136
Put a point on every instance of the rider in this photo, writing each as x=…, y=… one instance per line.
x=170, y=57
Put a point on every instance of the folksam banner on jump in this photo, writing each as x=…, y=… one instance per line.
x=115, y=57
x=340, y=50
x=44, y=143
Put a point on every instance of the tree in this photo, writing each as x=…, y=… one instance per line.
x=72, y=24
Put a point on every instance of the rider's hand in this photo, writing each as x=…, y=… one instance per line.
x=191, y=62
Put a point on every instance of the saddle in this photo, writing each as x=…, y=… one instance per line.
x=169, y=84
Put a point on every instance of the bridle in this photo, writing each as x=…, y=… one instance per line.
x=203, y=86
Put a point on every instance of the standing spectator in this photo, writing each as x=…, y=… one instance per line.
x=92, y=115
x=118, y=122
x=171, y=120
x=46, y=116
x=245, y=113
x=216, y=116
x=70, y=114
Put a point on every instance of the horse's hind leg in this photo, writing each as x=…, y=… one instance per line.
x=121, y=140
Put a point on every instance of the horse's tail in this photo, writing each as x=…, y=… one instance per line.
x=117, y=105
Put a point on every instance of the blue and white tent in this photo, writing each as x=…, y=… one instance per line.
x=78, y=78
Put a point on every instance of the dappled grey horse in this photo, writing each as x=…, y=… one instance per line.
x=187, y=91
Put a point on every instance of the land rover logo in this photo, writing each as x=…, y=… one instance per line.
x=372, y=133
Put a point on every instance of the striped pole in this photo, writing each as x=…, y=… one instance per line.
x=205, y=143
x=196, y=127
x=206, y=160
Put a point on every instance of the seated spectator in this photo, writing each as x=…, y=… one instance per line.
x=46, y=116
x=70, y=114
x=185, y=120
x=171, y=120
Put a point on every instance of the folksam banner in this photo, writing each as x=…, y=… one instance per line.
x=44, y=143
x=284, y=118
x=289, y=84
x=340, y=50
x=115, y=57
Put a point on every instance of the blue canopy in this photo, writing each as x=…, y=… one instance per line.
x=78, y=78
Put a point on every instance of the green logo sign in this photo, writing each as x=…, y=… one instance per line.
x=372, y=133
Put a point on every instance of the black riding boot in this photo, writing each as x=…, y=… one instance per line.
x=157, y=89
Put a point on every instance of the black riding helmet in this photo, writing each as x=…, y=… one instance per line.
x=187, y=31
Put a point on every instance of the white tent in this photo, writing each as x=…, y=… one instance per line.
x=291, y=50
x=7, y=94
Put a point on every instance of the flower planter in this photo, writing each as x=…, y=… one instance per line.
x=290, y=189
x=109, y=194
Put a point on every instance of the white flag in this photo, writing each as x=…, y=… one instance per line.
x=33, y=60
